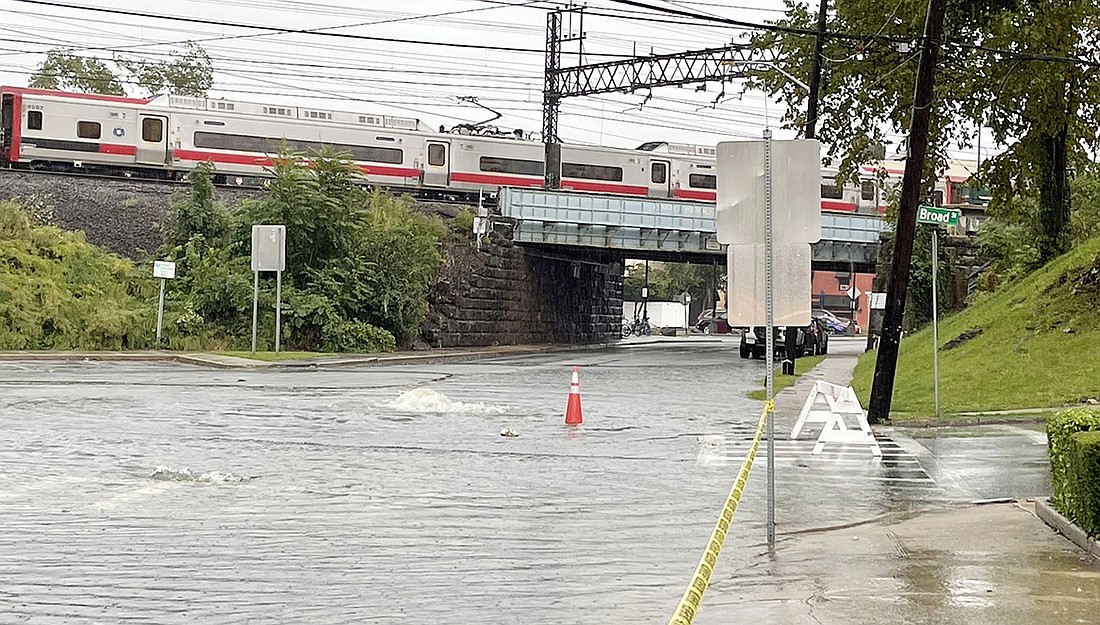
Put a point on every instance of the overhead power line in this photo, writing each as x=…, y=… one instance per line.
x=289, y=31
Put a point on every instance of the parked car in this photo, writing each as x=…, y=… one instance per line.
x=836, y=325
x=719, y=317
x=810, y=340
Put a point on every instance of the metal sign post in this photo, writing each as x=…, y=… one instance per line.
x=268, y=254
x=936, y=216
x=165, y=271
x=935, y=320
x=769, y=216
x=769, y=342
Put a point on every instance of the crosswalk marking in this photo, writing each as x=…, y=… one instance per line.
x=848, y=463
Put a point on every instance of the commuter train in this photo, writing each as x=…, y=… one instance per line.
x=167, y=136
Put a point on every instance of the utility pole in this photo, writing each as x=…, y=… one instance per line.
x=791, y=334
x=882, y=389
x=551, y=97
x=815, y=72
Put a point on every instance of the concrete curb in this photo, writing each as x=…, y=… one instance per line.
x=1067, y=528
x=218, y=361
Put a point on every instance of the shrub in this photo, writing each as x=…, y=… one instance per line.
x=1060, y=430
x=59, y=292
x=1084, y=479
x=356, y=336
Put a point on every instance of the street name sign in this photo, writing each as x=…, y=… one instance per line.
x=938, y=216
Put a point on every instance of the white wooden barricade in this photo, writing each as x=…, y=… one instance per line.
x=842, y=402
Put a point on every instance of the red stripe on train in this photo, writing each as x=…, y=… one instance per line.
x=846, y=207
x=495, y=180
x=688, y=194
x=253, y=160
x=114, y=148
x=604, y=187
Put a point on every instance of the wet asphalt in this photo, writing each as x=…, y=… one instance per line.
x=174, y=494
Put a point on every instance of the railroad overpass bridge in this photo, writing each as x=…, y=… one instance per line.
x=664, y=229
x=550, y=265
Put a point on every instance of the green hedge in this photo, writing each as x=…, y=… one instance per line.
x=1068, y=497
x=1084, y=478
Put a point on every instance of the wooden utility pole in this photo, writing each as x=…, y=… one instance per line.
x=815, y=72
x=882, y=389
x=791, y=333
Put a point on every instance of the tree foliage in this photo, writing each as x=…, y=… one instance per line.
x=188, y=73
x=59, y=292
x=359, y=264
x=668, y=280
x=1044, y=109
x=66, y=71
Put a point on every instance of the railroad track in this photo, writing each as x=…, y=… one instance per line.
x=436, y=196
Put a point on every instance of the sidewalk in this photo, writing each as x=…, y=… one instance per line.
x=938, y=564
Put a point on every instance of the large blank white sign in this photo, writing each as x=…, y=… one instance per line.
x=796, y=191
x=748, y=292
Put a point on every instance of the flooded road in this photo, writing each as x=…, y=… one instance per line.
x=172, y=494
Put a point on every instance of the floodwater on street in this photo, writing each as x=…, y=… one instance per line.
x=174, y=494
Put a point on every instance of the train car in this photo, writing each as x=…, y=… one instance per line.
x=167, y=136
x=41, y=126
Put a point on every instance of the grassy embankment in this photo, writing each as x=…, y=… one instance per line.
x=780, y=382
x=1039, y=347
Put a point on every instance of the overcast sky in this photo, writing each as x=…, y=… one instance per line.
x=412, y=79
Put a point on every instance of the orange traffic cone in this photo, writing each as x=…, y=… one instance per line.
x=573, y=410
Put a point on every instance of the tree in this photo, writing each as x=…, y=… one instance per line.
x=65, y=71
x=668, y=280
x=189, y=73
x=1042, y=107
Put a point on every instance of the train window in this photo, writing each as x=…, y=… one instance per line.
x=392, y=156
x=88, y=130
x=437, y=154
x=867, y=190
x=703, y=181
x=266, y=145
x=152, y=130
x=497, y=165
x=832, y=192
x=658, y=173
x=591, y=172
x=34, y=120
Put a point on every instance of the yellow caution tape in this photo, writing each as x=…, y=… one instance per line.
x=693, y=596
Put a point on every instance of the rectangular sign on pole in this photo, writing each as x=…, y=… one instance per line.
x=795, y=192
x=268, y=248
x=748, y=289
x=938, y=216
x=164, y=269
x=268, y=254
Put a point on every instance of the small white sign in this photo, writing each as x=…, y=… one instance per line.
x=853, y=292
x=878, y=301
x=164, y=269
